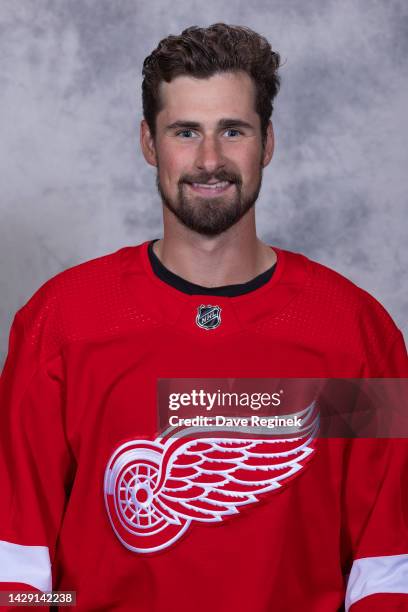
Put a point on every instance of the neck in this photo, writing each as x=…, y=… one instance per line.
x=235, y=256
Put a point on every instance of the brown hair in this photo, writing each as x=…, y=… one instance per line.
x=203, y=52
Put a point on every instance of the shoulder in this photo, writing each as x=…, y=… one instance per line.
x=346, y=299
x=334, y=311
x=72, y=303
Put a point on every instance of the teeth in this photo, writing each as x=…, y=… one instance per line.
x=220, y=185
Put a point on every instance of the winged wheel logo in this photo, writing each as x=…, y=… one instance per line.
x=154, y=490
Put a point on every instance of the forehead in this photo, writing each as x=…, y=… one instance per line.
x=226, y=94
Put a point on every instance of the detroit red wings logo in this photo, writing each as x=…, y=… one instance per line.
x=154, y=490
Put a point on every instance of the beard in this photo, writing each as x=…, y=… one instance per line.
x=214, y=215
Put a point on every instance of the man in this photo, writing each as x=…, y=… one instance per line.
x=95, y=499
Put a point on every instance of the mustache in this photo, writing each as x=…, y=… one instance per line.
x=207, y=177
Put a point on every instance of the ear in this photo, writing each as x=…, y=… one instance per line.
x=269, y=145
x=147, y=144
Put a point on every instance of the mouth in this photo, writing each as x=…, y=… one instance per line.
x=210, y=189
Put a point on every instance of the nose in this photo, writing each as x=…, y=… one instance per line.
x=209, y=155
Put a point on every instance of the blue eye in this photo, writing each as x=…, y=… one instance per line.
x=185, y=132
x=237, y=132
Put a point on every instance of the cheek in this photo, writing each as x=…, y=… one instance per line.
x=250, y=170
x=248, y=161
x=172, y=165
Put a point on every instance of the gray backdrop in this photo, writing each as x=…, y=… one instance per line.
x=74, y=183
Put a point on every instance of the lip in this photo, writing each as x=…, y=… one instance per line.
x=209, y=192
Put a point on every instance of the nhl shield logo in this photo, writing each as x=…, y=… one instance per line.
x=208, y=317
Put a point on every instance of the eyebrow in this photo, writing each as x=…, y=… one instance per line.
x=222, y=123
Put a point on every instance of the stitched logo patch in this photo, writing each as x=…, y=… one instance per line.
x=208, y=317
x=154, y=490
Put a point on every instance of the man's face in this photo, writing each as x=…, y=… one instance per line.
x=208, y=150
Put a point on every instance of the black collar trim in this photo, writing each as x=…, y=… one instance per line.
x=192, y=289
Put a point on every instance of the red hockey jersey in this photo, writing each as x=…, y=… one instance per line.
x=78, y=426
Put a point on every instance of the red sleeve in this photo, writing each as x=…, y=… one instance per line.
x=35, y=460
x=384, y=602
x=376, y=512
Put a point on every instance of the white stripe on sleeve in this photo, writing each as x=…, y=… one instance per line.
x=371, y=575
x=28, y=564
